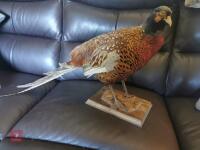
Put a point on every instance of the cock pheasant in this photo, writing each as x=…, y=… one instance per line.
x=114, y=56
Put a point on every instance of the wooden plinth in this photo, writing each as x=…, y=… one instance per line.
x=136, y=111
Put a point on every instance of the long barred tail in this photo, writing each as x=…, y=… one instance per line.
x=63, y=69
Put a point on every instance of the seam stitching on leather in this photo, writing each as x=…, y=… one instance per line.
x=61, y=41
x=117, y=12
x=171, y=52
x=11, y=51
x=12, y=8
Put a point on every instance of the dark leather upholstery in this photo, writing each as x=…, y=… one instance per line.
x=8, y=144
x=126, y=4
x=186, y=121
x=25, y=53
x=184, y=79
x=40, y=33
x=31, y=35
x=42, y=18
x=63, y=117
x=14, y=107
x=184, y=69
x=93, y=22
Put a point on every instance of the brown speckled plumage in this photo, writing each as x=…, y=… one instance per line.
x=131, y=44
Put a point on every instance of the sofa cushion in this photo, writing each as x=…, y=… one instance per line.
x=82, y=22
x=62, y=116
x=29, y=54
x=184, y=75
x=14, y=107
x=30, y=39
x=34, y=18
x=186, y=120
x=9, y=144
x=184, y=69
x=126, y=4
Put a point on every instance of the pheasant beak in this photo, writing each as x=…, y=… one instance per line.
x=168, y=20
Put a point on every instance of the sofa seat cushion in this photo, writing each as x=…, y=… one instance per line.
x=186, y=120
x=9, y=144
x=12, y=108
x=62, y=116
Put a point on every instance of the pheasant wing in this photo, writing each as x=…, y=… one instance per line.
x=102, y=60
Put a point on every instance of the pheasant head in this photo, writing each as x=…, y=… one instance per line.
x=159, y=22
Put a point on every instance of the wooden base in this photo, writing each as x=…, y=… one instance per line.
x=136, y=111
x=132, y=103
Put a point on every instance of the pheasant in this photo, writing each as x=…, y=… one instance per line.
x=113, y=56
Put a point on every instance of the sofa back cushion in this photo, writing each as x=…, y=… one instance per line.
x=30, y=39
x=85, y=19
x=184, y=69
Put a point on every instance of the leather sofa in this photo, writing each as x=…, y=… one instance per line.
x=38, y=34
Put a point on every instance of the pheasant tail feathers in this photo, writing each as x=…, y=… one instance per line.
x=49, y=77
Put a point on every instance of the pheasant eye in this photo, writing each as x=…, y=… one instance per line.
x=158, y=17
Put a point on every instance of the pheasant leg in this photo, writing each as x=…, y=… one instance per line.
x=125, y=89
x=117, y=103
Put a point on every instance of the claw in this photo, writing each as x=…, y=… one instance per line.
x=119, y=105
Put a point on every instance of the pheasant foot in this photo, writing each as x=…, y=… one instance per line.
x=117, y=103
x=125, y=89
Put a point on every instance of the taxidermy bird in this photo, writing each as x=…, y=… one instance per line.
x=113, y=56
